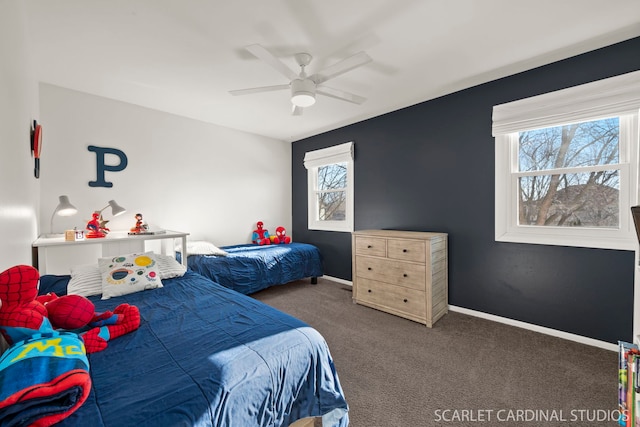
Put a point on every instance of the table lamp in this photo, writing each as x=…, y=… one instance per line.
x=64, y=208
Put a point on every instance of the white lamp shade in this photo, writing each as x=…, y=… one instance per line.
x=116, y=209
x=65, y=208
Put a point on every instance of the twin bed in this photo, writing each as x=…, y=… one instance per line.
x=206, y=355
x=250, y=268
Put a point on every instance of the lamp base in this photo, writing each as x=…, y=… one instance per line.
x=94, y=235
x=53, y=235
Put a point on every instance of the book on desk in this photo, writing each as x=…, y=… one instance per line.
x=146, y=232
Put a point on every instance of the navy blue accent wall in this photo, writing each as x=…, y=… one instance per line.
x=430, y=167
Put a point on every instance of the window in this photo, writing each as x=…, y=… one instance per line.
x=569, y=176
x=567, y=166
x=330, y=188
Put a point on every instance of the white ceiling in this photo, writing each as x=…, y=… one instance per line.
x=183, y=56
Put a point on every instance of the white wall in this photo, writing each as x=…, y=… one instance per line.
x=182, y=174
x=18, y=107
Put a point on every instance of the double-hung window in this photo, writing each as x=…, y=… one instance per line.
x=330, y=188
x=567, y=165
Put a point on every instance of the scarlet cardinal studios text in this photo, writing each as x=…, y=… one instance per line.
x=528, y=415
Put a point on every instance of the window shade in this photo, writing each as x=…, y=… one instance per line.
x=326, y=156
x=603, y=98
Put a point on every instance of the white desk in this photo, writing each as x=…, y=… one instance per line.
x=54, y=255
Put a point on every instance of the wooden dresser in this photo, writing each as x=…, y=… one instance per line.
x=401, y=272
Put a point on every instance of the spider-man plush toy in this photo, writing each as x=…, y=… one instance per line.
x=45, y=372
x=23, y=312
x=281, y=236
x=260, y=235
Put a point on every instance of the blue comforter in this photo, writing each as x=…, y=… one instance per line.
x=250, y=268
x=205, y=355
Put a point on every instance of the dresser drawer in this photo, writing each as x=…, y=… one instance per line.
x=371, y=246
x=393, y=272
x=406, y=250
x=397, y=298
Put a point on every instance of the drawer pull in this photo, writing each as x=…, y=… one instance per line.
x=405, y=300
x=404, y=250
x=369, y=268
x=404, y=275
x=369, y=291
x=369, y=246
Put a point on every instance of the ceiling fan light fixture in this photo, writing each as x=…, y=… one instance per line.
x=303, y=93
x=303, y=99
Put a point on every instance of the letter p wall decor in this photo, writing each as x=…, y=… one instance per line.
x=102, y=167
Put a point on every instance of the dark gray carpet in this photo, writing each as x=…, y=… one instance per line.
x=465, y=371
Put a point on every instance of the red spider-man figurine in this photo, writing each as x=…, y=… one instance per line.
x=261, y=236
x=96, y=226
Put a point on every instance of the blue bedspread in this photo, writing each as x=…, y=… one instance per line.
x=250, y=268
x=205, y=355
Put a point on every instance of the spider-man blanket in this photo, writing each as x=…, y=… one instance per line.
x=43, y=379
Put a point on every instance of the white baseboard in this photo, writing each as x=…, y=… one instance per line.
x=530, y=326
x=335, y=279
x=536, y=328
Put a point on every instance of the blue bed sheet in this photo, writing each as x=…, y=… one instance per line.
x=251, y=268
x=205, y=355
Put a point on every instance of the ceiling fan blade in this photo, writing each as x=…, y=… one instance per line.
x=341, y=67
x=270, y=59
x=340, y=94
x=296, y=111
x=258, y=89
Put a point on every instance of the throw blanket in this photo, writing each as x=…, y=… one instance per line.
x=43, y=379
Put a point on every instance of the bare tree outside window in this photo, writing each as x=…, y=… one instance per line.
x=331, y=192
x=569, y=175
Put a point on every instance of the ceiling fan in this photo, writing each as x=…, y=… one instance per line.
x=303, y=87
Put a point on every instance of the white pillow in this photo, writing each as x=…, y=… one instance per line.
x=169, y=267
x=126, y=274
x=86, y=280
x=202, y=247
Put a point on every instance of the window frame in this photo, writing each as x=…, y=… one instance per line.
x=313, y=160
x=614, y=97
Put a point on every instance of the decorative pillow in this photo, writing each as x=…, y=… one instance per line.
x=202, y=247
x=169, y=267
x=126, y=274
x=86, y=280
